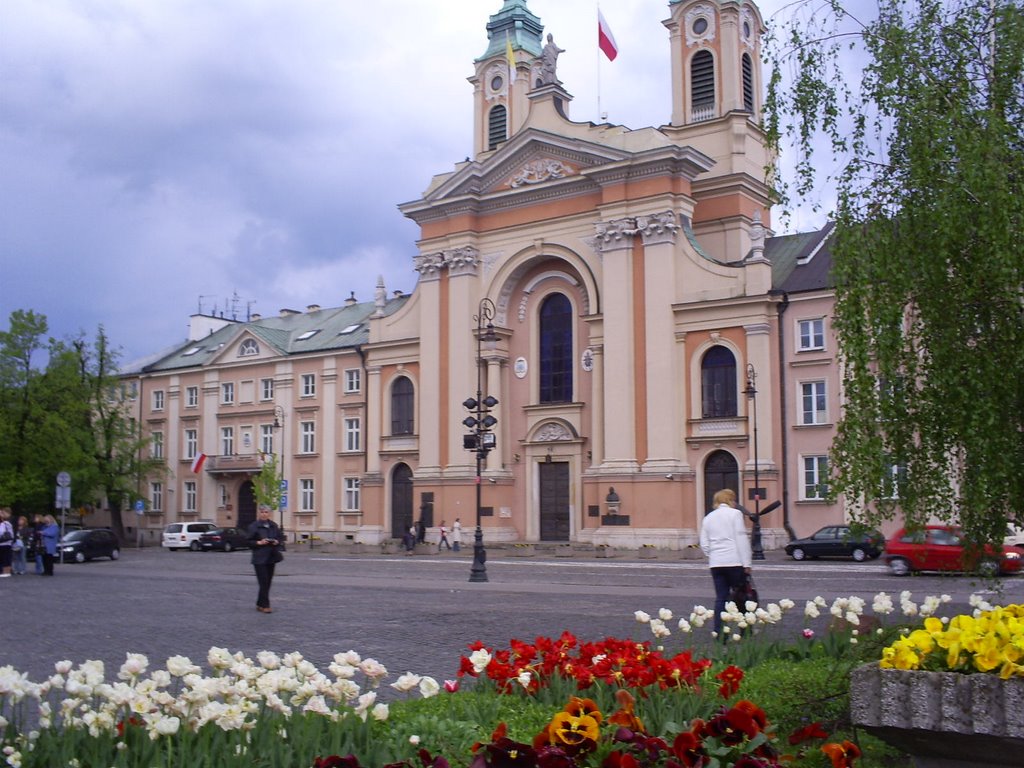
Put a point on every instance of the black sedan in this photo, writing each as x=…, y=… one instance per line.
x=224, y=539
x=838, y=541
x=87, y=543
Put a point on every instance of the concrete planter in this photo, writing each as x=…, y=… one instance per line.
x=691, y=553
x=391, y=547
x=563, y=550
x=647, y=553
x=942, y=719
x=522, y=551
x=606, y=552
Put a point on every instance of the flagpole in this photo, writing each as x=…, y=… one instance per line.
x=600, y=116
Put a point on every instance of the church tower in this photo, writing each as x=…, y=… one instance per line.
x=501, y=87
x=716, y=108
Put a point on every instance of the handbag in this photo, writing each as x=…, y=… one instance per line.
x=276, y=556
x=744, y=593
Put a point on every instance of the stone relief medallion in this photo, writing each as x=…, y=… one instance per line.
x=520, y=368
x=551, y=433
x=587, y=360
x=700, y=24
x=537, y=171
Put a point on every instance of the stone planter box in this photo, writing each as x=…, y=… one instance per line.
x=563, y=550
x=606, y=552
x=522, y=551
x=391, y=547
x=942, y=719
x=691, y=553
x=647, y=553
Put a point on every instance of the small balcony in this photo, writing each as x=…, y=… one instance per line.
x=243, y=463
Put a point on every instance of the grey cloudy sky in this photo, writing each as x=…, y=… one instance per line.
x=161, y=155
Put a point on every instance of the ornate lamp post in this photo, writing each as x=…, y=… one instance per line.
x=279, y=425
x=481, y=440
x=757, y=550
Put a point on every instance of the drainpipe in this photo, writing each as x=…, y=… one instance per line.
x=783, y=400
x=366, y=387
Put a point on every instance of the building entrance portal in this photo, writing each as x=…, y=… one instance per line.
x=246, y=505
x=554, y=501
x=720, y=471
x=401, y=501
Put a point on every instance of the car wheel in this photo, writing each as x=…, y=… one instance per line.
x=79, y=557
x=859, y=555
x=798, y=554
x=115, y=554
x=194, y=546
x=227, y=546
x=899, y=567
x=988, y=568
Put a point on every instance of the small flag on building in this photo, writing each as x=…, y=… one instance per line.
x=197, y=463
x=605, y=39
x=510, y=56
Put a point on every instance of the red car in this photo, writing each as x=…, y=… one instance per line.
x=941, y=548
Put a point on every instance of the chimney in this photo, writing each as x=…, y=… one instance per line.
x=313, y=308
x=351, y=300
x=255, y=316
x=285, y=312
x=398, y=293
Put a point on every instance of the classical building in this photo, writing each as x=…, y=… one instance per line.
x=617, y=291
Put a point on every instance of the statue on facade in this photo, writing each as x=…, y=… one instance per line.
x=549, y=61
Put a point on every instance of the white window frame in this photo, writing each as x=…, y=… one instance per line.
x=267, y=439
x=156, y=448
x=308, y=385
x=815, y=328
x=227, y=393
x=227, y=441
x=353, y=434
x=266, y=389
x=222, y=496
x=191, y=497
x=191, y=443
x=814, y=393
x=814, y=471
x=351, y=495
x=158, y=399
x=191, y=397
x=891, y=483
x=156, y=497
x=307, y=495
x=248, y=348
x=353, y=381
x=307, y=430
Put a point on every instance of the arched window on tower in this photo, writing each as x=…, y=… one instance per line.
x=402, y=407
x=718, y=383
x=556, y=349
x=748, y=83
x=702, y=86
x=497, y=126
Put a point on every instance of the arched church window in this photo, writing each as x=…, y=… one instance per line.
x=248, y=347
x=556, y=349
x=402, y=407
x=748, y=83
x=702, y=85
x=718, y=383
x=497, y=126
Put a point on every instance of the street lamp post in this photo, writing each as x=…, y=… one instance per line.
x=279, y=425
x=481, y=440
x=757, y=550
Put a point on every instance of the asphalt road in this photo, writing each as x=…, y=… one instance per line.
x=410, y=613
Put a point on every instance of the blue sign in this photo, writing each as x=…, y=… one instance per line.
x=284, y=485
x=284, y=501
x=140, y=506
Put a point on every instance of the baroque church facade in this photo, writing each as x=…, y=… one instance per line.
x=618, y=293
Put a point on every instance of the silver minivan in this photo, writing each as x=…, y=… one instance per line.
x=185, y=535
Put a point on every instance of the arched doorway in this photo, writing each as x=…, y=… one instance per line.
x=720, y=471
x=401, y=500
x=246, y=504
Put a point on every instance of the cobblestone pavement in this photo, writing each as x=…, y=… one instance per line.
x=410, y=613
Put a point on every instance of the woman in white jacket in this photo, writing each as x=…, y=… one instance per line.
x=724, y=540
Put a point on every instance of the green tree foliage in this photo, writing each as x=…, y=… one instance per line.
x=929, y=247
x=266, y=486
x=62, y=408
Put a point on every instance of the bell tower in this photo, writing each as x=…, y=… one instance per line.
x=500, y=86
x=717, y=98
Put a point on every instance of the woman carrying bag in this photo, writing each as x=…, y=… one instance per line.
x=724, y=540
x=265, y=540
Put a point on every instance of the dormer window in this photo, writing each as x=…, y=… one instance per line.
x=350, y=329
x=248, y=348
x=307, y=335
x=190, y=352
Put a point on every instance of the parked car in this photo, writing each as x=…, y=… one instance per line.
x=1014, y=535
x=838, y=541
x=86, y=543
x=225, y=539
x=185, y=535
x=942, y=548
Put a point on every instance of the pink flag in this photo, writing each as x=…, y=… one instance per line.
x=605, y=39
x=197, y=463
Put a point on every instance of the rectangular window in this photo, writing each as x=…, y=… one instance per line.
x=812, y=403
x=353, y=380
x=227, y=393
x=191, y=397
x=309, y=385
x=815, y=482
x=222, y=496
x=190, y=497
x=227, y=441
x=266, y=389
x=267, y=439
x=308, y=430
x=156, y=497
x=307, y=496
x=191, y=443
x=893, y=475
x=351, y=500
x=811, y=334
x=353, y=437
x=157, y=446
x=158, y=399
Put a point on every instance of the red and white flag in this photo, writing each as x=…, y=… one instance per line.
x=197, y=463
x=605, y=38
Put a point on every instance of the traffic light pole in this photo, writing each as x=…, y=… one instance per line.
x=482, y=438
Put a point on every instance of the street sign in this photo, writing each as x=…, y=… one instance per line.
x=284, y=501
x=284, y=485
x=63, y=479
x=63, y=499
x=140, y=507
